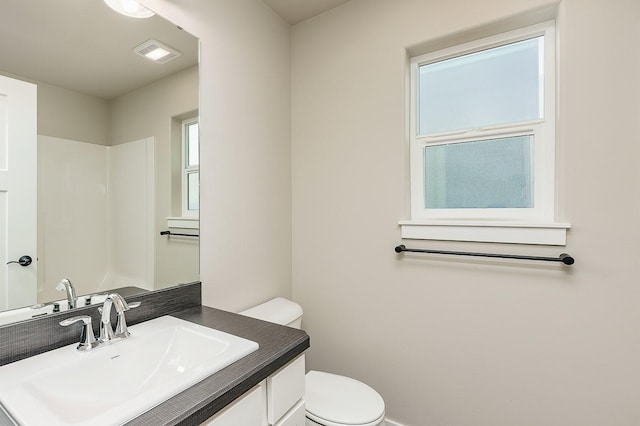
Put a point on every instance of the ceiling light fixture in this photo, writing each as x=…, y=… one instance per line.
x=156, y=51
x=129, y=8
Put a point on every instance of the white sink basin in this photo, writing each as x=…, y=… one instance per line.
x=115, y=383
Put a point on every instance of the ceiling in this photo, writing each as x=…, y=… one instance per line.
x=294, y=11
x=84, y=46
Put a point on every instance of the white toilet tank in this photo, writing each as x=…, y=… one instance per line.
x=326, y=403
x=279, y=310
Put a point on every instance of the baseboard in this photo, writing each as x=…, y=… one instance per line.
x=392, y=423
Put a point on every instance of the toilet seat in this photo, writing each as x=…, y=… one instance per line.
x=333, y=400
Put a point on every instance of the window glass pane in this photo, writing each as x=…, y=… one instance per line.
x=193, y=142
x=193, y=191
x=496, y=86
x=494, y=173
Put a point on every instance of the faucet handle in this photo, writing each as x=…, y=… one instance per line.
x=87, y=338
x=129, y=306
x=121, y=326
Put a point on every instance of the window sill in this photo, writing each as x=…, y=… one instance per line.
x=553, y=234
x=184, y=222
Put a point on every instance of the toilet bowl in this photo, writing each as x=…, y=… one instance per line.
x=330, y=399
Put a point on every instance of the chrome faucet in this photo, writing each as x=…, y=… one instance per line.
x=107, y=332
x=66, y=285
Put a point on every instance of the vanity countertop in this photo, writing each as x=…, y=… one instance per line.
x=278, y=346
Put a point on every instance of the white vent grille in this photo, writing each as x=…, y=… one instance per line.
x=157, y=52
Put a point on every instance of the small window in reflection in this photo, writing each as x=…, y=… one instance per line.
x=190, y=168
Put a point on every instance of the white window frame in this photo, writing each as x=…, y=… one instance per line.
x=186, y=170
x=509, y=225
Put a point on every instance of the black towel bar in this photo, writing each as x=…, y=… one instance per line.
x=169, y=233
x=564, y=257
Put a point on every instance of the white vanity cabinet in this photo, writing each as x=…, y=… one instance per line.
x=248, y=410
x=276, y=401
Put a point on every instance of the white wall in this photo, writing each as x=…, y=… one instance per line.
x=447, y=341
x=245, y=215
x=452, y=341
x=72, y=115
x=68, y=114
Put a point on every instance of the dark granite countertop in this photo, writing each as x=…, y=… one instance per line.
x=278, y=346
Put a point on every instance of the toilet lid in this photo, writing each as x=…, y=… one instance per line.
x=341, y=400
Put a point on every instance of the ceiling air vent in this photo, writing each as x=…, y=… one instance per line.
x=156, y=51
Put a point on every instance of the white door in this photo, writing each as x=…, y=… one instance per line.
x=18, y=193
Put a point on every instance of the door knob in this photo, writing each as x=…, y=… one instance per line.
x=23, y=261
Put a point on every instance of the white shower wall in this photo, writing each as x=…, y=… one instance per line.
x=95, y=215
x=131, y=213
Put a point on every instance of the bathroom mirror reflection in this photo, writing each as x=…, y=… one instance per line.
x=112, y=169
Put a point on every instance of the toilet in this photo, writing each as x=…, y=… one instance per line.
x=330, y=399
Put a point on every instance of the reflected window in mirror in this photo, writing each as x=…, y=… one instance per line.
x=190, y=168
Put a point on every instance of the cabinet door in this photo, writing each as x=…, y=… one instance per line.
x=285, y=388
x=249, y=410
x=295, y=416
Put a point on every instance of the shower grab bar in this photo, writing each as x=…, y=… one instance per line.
x=564, y=257
x=169, y=233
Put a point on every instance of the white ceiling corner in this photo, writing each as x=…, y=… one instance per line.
x=295, y=11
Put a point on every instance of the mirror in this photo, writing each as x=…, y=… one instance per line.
x=110, y=146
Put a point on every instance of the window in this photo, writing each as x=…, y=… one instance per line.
x=190, y=168
x=482, y=142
